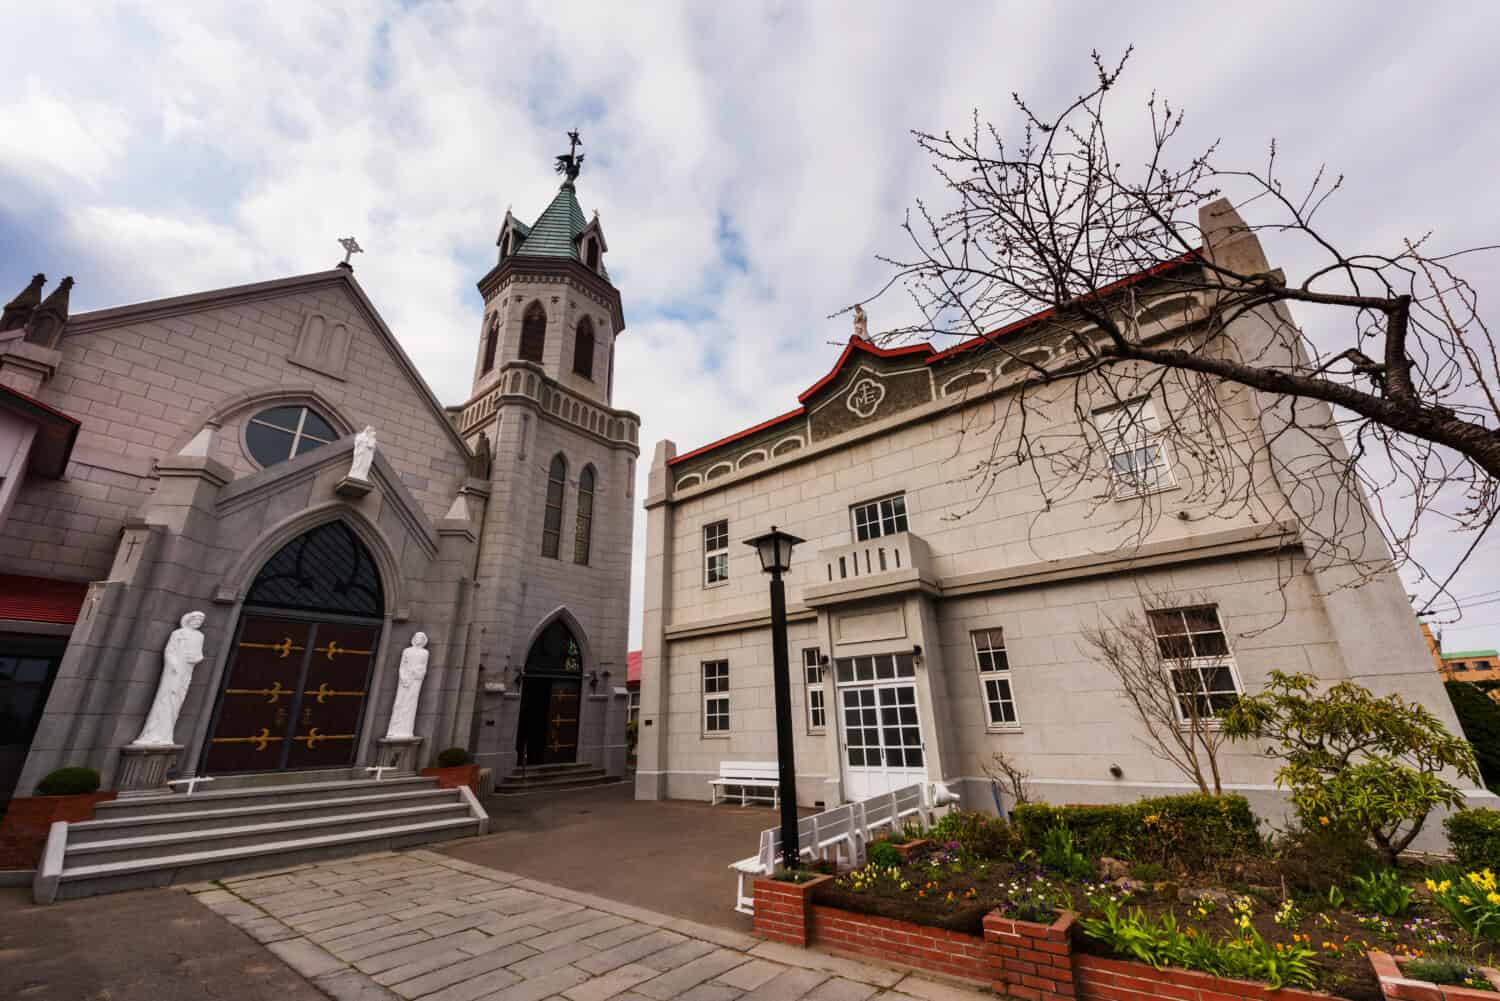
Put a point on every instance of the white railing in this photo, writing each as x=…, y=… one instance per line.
x=844, y=830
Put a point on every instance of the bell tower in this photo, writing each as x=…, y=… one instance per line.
x=549, y=300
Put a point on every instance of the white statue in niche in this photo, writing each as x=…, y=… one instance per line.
x=364, y=454
x=408, y=687
x=183, y=652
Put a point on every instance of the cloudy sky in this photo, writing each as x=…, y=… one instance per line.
x=748, y=160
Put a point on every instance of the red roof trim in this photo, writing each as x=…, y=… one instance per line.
x=868, y=348
x=633, y=667
x=1026, y=321
x=932, y=355
x=33, y=401
x=40, y=599
x=738, y=435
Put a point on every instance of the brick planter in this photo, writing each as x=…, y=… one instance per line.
x=458, y=775
x=1395, y=986
x=783, y=911
x=908, y=847
x=1026, y=960
x=1030, y=960
x=28, y=819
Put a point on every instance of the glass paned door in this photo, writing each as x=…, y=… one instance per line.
x=883, y=747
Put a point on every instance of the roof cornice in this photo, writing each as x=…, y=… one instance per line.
x=521, y=266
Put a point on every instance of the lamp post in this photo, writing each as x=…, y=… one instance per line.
x=775, y=551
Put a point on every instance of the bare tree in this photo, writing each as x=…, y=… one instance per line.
x=1101, y=277
x=1002, y=768
x=1170, y=696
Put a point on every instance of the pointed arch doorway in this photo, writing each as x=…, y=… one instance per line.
x=551, y=698
x=294, y=691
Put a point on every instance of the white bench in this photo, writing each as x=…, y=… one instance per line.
x=747, y=775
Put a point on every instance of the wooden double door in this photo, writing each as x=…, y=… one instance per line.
x=293, y=696
x=548, y=730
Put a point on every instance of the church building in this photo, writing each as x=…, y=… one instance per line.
x=269, y=456
x=937, y=620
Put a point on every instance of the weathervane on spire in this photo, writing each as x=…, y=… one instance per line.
x=571, y=162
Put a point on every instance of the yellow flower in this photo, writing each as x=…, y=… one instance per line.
x=1464, y=900
x=1445, y=886
x=1432, y=884
x=1493, y=897
x=1152, y=818
x=1323, y=821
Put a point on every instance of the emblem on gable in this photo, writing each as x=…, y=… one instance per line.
x=864, y=398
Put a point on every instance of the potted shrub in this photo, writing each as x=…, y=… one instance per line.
x=67, y=794
x=455, y=767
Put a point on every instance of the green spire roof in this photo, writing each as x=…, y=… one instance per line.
x=555, y=232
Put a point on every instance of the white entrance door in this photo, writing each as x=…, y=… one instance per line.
x=882, y=732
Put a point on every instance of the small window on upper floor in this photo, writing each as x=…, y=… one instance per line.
x=534, y=333
x=557, y=480
x=715, y=553
x=583, y=348
x=280, y=433
x=886, y=516
x=591, y=254
x=1138, y=459
x=505, y=245
x=583, y=533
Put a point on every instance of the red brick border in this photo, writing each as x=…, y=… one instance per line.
x=1019, y=959
x=1395, y=985
x=783, y=910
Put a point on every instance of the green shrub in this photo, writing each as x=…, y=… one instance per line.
x=452, y=757
x=1059, y=855
x=1383, y=892
x=976, y=833
x=1475, y=838
x=1354, y=760
x=883, y=855
x=69, y=782
x=1187, y=831
x=1479, y=716
x=1149, y=872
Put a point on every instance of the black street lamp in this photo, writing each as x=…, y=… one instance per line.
x=775, y=550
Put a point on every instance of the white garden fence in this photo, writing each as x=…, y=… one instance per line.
x=843, y=832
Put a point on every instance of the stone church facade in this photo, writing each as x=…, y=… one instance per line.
x=933, y=625
x=194, y=453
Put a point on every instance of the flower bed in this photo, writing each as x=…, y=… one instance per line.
x=1398, y=983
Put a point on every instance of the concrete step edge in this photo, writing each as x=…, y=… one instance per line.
x=257, y=792
x=107, y=869
x=180, y=817
x=207, y=835
x=511, y=788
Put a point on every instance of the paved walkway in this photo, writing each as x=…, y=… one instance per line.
x=424, y=925
x=667, y=855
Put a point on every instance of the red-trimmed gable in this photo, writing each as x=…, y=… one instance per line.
x=40, y=599
x=864, y=346
x=633, y=667
x=928, y=353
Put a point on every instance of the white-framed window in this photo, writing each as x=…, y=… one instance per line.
x=635, y=705
x=1138, y=459
x=715, y=696
x=812, y=672
x=715, y=553
x=994, y=677
x=873, y=519
x=1196, y=653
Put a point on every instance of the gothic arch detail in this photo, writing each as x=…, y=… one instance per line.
x=534, y=332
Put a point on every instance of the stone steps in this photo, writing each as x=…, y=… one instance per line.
x=158, y=840
x=543, y=778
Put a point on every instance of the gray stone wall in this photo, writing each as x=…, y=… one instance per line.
x=142, y=381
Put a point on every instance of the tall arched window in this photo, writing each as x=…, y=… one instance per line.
x=585, y=528
x=533, y=333
x=593, y=255
x=491, y=338
x=583, y=348
x=557, y=479
x=505, y=245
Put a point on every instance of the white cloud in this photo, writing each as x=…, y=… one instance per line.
x=191, y=145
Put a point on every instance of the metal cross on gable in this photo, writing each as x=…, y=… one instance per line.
x=351, y=247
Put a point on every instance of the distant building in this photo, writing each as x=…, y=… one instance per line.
x=1461, y=665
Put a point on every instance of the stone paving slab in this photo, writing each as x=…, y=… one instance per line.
x=421, y=926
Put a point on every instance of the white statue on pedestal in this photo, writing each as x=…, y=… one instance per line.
x=183, y=652
x=861, y=323
x=364, y=454
x=408, y=687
